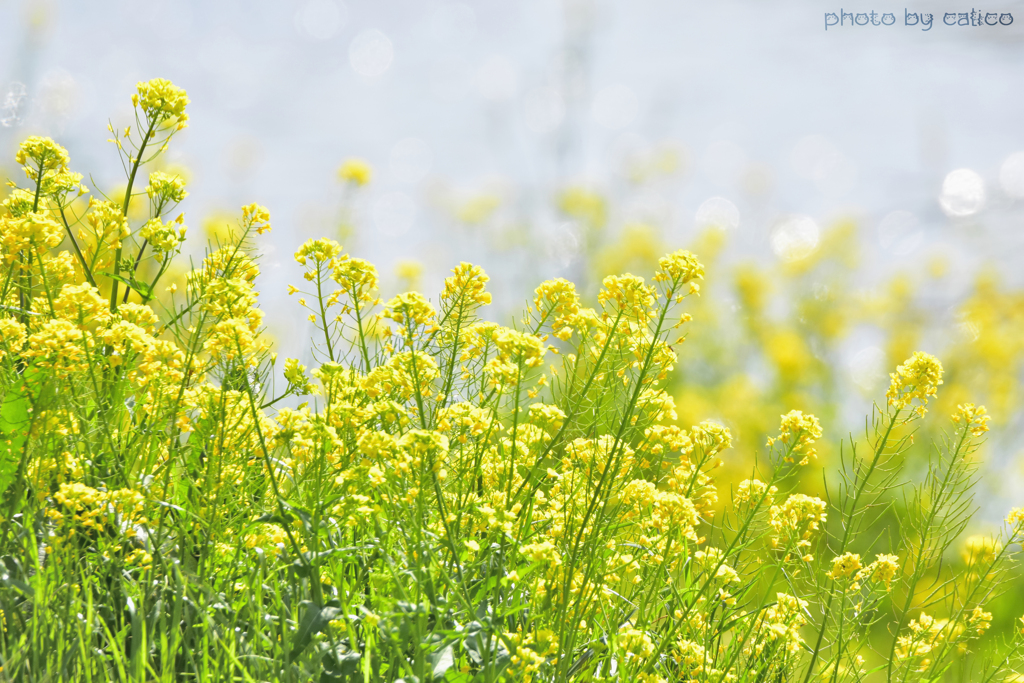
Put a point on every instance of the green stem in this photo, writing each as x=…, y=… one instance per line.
x=78, y=251
x=846, y=537
x=124, y=211
x=135, y=269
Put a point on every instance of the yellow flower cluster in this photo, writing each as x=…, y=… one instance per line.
x=355, y=171
x=45, y=164
x=844, y=565
x=679, y=268
x=12, y=336
x=973, y=417
x=256, y=216
x=165, y=238
x=85, y=510
x=556, y=301
x=781, y=623
x=797, y=435
x=753, y=492
x=410, y=308
x=357, y=278
x=927, y=634
x=24, y=240
x=166, y=188
x=321, y=250
x=627, y=295
x=105, y=230
x=883, y=570
x=919, y=377
x=43, y=152
x=517, y=351
x=796, y=520
x=468, y=283
x=162, y=102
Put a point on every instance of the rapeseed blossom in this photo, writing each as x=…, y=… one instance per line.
x=437, y=483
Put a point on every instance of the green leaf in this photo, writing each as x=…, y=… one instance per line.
x=13, y=425
x=140, y=287
x=314, y=620
x=443, y=660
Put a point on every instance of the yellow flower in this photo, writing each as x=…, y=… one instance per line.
x=979, y=621
x=412, y=307
x=844, y=565
x=753, y=492
x=295, y=373
x=164, y=187
x=974, y=418
x=629, y=295
x=797, y=518
x=556, y=301
x=585, y=205
x=165, y=238
x=679, y=267
x=19, y=202
x=545, y=551
x=12, y=336
x=161, y=101
x=980, y=550
x=355, y=171
x=44, y=152
x=883, y=569
x=257, y=216
x=635, y=642
x=33, y=232
x=547, y=416
x=918, y=377
x=357, y=278
x=320, y=250
x=711, y=437
x=798, y=432
x=781, y=622
x=468, y=281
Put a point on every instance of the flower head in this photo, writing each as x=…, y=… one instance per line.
x=257, y=216
x=320, y=250
x=43, y=152
x=165, y=238
x=357, y=278
x=753, y=492
x=882, y=570
x=410, y=307
x=973, y=417
x=797, y=434
x=468, y=281
x=162, y=101
x=918, y=377
x=679, y=267
x=556, y=300
x=355, y=171
x=844, y=565
x=164, y=187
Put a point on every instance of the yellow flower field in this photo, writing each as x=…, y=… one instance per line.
x=442, y=497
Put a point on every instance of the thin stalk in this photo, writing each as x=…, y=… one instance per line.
x=124, y=212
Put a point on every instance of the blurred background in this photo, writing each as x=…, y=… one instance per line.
x=856, y=194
